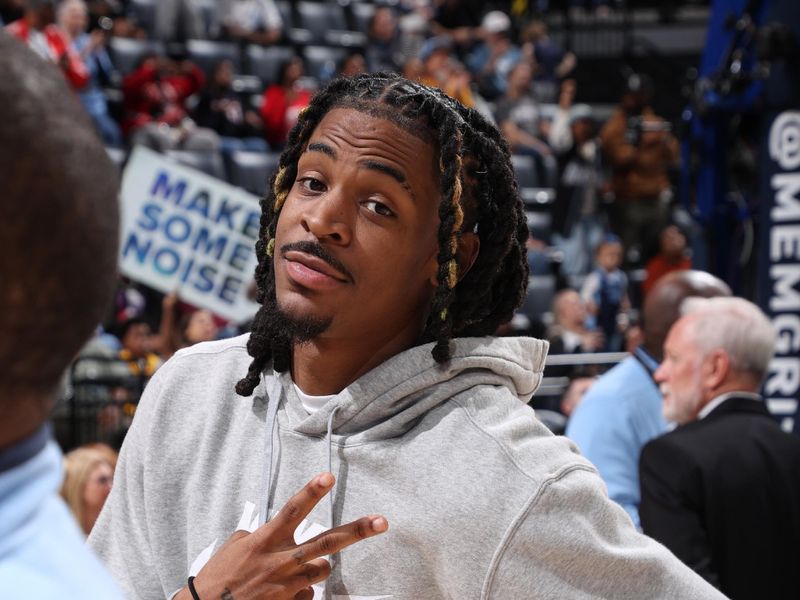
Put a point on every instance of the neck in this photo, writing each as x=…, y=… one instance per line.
x=34, y=22
x=325, y=365
x=22, y=418
x=740, y=383
x=654, y=349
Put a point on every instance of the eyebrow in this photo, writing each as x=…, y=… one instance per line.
x=373, y=165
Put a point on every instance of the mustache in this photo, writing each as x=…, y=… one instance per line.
x=318, y=250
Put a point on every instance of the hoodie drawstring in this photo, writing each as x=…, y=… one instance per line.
x=330, y=462
x=274, y=400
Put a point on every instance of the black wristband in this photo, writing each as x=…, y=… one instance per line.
x=192, y=591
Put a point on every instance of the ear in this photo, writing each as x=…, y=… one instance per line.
x=718, y=368
x=469, y=244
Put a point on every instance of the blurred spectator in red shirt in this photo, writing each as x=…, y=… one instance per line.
x=37, y=29
x=283, y=101
x=155, y=99
x=672, y=256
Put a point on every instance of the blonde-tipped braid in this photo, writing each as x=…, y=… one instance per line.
x=281, y=192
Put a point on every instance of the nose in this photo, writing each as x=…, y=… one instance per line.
x=660, y=374
x=328, y=218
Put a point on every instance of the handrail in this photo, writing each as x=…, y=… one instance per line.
x=597, y=358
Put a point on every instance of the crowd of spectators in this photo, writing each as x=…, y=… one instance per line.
x=598, y=191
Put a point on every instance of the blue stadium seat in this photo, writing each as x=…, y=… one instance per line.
x=252, y=170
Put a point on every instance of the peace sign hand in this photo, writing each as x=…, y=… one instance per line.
x=267, y=565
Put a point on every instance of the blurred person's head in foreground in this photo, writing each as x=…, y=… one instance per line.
x=720, y=345
x=87, y=483
x=446, y=182
x=58, y=236
x=663, y=304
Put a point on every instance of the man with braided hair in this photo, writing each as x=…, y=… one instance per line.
x=392, y=245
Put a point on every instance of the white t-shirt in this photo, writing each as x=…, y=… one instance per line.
x=311, y=403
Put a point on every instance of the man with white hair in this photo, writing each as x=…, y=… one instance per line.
x=722, y=490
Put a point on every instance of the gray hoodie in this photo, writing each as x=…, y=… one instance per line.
x=482, y=501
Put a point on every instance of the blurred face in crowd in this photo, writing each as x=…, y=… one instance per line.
x=73, y=18
x=201, y=327
x=582, y=130
x=520, y=77
x=223, y=74
x=437, y=61
x=673, y=242
x=293, y=72
x=570, y=311
x=137, y=339
x=98, y=486
x=383, y=24
x=633, y=103
x=354, y=65
x=609, y=255
x=680, y=374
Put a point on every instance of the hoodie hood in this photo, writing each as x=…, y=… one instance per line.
x=390, y=399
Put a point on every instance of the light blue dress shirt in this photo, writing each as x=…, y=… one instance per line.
x=619, y=414
x=43, y=553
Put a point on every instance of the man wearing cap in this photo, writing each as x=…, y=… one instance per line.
x=493, y=59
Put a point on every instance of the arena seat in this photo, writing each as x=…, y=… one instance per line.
x=322, y=61
x=326, y=22
x=362, y=14
x=525, y=171
x=143, y=13
x=209, y=163
x=252, y=170
x=539, y=297
x=127, y=53
x=206, y=54
x=265, y=63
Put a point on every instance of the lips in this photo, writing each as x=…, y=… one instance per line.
x=310, y=271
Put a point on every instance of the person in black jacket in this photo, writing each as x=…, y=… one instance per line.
x=722, y=491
